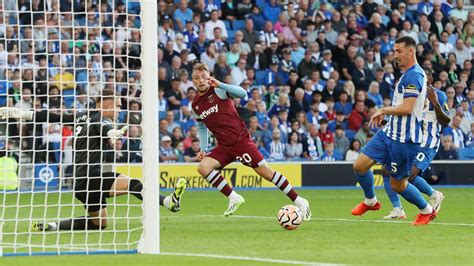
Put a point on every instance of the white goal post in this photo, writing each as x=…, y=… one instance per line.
x=150, y=243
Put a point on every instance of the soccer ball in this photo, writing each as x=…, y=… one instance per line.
x=290, y=217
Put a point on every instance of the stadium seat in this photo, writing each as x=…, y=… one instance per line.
x=260, y=4
x=230, y=36
x=350, y=134
x=227, y=25
x=260, y=76
x=238, y=24
x=466, y=154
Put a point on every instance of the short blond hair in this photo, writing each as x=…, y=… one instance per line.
x=200, y=67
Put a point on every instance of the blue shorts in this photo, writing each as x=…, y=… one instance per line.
x=395, y=156
x=424, y=157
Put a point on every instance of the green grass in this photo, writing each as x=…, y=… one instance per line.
x=334, y=236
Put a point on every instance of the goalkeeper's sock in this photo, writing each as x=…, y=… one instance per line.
x=135, y=188
x=392, y=195
x=280, y=181
x=79, y=223
x=218, y=181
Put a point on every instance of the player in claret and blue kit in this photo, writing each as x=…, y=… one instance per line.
x=215, y=111
x=397, y=144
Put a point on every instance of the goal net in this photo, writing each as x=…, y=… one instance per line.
x=57, y=57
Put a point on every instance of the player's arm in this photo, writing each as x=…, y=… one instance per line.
x=441, y=111
x=203, y=135
x=40, y=116
x=45, y=116
x=230, y=90
x=412, y=88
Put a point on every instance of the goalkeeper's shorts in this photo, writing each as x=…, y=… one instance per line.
x=93, y=191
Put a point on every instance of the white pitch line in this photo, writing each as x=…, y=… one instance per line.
x=326, y=219
x=291, y=262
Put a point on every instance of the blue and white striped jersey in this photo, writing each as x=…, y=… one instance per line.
x=430, y=127
x=405, y=128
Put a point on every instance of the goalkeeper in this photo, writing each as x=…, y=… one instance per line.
x=94, y=132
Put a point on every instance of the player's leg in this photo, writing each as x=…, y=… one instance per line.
x=95, y=203
x=126, y=185
x=402, y=158
x=397, y=211
x=374, y=150
x=208, y=169
x=280, y=181
x=411, y=194
x=422, y=162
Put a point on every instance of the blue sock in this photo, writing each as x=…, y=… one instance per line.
x=392, y=195
x=413, y=195
x=366, y=181
x=421, y=184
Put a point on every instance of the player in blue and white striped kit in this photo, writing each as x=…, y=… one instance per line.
x=435, y=117
x=396, y=145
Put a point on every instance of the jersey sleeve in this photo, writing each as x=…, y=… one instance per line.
x=203, y=135
x=412, y=84
x=106, y=126
x=45, y=116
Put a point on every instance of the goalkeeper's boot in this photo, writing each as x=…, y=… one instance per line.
x=362, y=208
x=303, y=204
x=175, y=205
x=234, y=204
x=41, y=227
x=396, y=213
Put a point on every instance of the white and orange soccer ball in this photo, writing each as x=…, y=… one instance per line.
x=290, y=217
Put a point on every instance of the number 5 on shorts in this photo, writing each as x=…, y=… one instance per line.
x=393, y=167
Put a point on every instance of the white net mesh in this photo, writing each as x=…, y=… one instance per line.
x=57, y=57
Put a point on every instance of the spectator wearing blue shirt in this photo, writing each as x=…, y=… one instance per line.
x=425, y=7
x=282, y=104
x=273, y=76
x=182, y=14
x=314, y=115
x=330, y=154
x=374, y=94
x=271, y=11
x=455, y=132
x=343, y=105
x=190, y=36
x=386, y=44
x=257, y=18
x=339, y=121
x=297, y=52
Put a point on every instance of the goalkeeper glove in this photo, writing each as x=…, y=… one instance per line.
x=115, y=134
x=11, y=112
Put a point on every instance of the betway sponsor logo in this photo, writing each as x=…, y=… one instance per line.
x=209, y=111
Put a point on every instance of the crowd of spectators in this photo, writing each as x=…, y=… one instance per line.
x=315, y=71
x=58, y=55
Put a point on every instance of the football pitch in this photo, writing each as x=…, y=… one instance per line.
x=200, y=235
